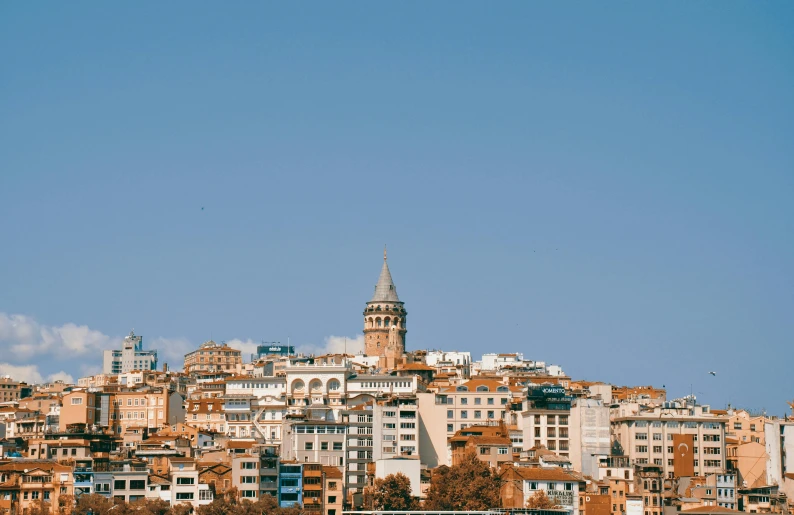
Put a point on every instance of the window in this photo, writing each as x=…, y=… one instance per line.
x=331, y=499
x=490, y=414
x=205, y=495
x=478, y=414
x=464, y=414
x=120, y=484
x=76, y=401
x=464, y=400
x=657, y=437
x=483, y=450
x=187, y=496
x=185, y=481
x=502, y=450
x=136, y=484
x=450, y=428
x=657, y=448
x=308, y=446
x=337, y=446
x=247, y=465
x=248, y=480
x=640, y=436
x=642, y=448
x=450, y=414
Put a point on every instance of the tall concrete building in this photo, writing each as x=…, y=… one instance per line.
x=130, y=357
x=384, y=321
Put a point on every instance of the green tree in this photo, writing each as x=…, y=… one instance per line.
x=392, y=493
x=468, y=486
x=541, y=501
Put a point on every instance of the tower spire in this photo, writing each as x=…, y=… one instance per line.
x=384, y=252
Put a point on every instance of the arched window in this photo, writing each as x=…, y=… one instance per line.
x=371, y=322
x=483, y=388
x=297, y=385
x=462, y=389
x=334, y=385
x=316, y=386
x=377, y=322
x=386, y=322
x=396, y=321
x=503, y=389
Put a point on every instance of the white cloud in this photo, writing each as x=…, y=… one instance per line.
x=170, y=350
x=27, y=338
x=247, y=347
x=28, y=373
x=335, y=345
x=31, y=375
x=61, y=376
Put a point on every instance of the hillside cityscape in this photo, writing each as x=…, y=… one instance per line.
x=388, y=430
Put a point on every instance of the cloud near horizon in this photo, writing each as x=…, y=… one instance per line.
x=80, y=348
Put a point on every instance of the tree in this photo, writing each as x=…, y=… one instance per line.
x=541, y=501
x=92, y=503
x=392, y=493
x=181, y=509
x=39, y=508
x=468, y=486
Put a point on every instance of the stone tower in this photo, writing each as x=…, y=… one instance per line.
x=384, y=321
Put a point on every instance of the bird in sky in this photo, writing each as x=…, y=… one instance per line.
x=713, y=373
x=202, y=208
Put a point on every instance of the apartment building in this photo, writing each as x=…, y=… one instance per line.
x=245, y=476
x=649, y=484
x=646, y=435
x=255, y=407
x=519, y=484
x=79, y=407
x=122, y=480
x=333, y=490
x=213, y=357
x=27, y=483
x=313, y=498
x=779, y=437
x=130, y=357
x=546, y=419
x=185, y=485
x=395, y=427
x=477, y=401
x=290, y=490
x=310, y=441
x=145, y=408
x=489, y=443
x=206, y=414
x=589, y=434
x=10, y=390
x=359, y=421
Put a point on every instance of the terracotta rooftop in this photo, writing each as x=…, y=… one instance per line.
x=332, y=472
x=542, y=474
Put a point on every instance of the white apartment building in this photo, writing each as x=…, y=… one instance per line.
x=646, y=434
x=395, y=428
x=779, y=437
x=185, y=486
x=130, y=357
x=446, y=361
x=255, y=407
x=589, y=434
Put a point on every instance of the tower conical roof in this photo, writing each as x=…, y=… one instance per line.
x=385, y=291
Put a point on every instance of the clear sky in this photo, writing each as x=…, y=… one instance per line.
x=604, y=186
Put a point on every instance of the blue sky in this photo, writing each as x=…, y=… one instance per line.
x=607, y=187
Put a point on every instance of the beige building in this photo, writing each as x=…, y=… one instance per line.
x=646, y=435
x=385, y=321
x=25, y=484
x=10, y=390
x=213, y=357
x=79, y=407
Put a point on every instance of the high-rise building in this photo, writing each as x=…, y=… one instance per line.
x=384, y=321
x=130, y=357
